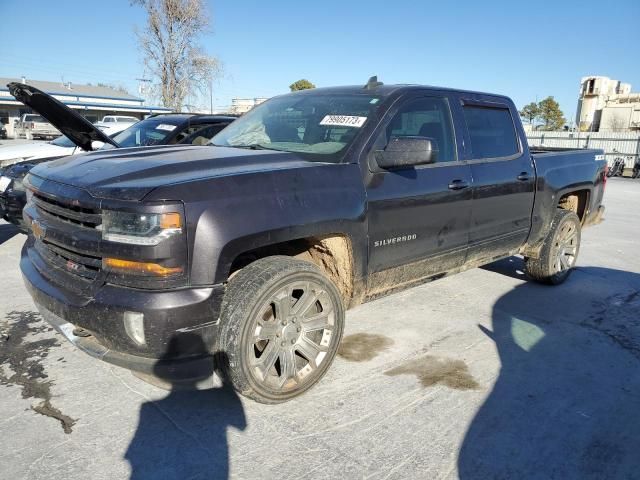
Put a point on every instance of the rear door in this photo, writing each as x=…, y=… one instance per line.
x=418, y=215
x=503, y=178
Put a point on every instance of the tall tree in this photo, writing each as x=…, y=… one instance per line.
x=169, y=42
x=551, y=114
x=530, y=112
x=302, y=84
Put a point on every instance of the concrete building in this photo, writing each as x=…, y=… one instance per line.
x=243, y=105
x=621, y=113
x=595, y=92
x=91, y=101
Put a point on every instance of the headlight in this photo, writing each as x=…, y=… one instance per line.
x=140, y=228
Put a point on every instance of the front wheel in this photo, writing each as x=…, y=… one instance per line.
x=559, y=251
x=281, y=323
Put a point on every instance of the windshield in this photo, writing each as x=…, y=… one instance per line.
x=34, y=118
x=147, y=132
x=63, y=141
x=317, y=124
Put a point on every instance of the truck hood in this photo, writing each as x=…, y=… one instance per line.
x=10, y=154
x=131, y=173
x=77, y=128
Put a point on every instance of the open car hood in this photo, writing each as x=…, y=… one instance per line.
x=77, y=128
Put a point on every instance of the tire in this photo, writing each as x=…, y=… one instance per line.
x=559, y=250
x=298, y=315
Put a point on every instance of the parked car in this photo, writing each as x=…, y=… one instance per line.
x=172, y=128
x=109, y=122
x=57, y=148
x=246, y=254
x=165, y=129
x=33, y=126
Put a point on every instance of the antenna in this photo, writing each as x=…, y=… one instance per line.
x=372, y=83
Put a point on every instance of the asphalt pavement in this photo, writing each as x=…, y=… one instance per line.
x=476, y=376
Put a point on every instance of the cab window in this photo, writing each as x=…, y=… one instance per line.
x=428, y=117
x=491, y=132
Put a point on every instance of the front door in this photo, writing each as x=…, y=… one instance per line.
x=418, y=215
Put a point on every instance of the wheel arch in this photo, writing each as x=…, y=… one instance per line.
x=575, y=201
x=332, y=253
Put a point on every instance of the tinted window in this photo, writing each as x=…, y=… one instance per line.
x=491, y=132
x=204, y=134
x=154, y=131
x=424, y=117
x=63, y=142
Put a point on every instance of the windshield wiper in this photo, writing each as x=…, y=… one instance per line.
x=250, y=146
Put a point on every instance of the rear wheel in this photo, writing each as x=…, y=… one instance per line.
x=559, y=251
x=281, y=324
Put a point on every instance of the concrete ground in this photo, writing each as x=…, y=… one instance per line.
x=479, y=375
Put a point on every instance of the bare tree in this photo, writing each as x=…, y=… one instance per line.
x=169, y=42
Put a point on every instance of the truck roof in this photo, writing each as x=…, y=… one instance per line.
x=387, y=90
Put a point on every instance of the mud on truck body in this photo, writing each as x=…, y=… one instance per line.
x=244, y=255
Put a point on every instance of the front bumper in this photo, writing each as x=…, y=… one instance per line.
x=180, y=325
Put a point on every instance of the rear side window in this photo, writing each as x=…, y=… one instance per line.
x=491, y=132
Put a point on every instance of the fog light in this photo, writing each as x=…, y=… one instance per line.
x=134, y=326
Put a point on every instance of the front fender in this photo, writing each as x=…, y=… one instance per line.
x=243, y=212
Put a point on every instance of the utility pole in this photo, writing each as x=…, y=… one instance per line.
x=211, y=96
x=142, y=85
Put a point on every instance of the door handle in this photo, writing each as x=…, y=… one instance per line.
x=523, y=177
x=458, y=185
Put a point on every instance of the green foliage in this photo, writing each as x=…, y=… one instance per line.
x=547, y=110
x=551, y=114
x=302, y=84
x=530, y=112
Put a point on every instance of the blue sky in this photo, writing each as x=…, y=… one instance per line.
x=526, y=50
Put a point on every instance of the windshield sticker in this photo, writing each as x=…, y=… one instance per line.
x=343, y=121
x=164, y=126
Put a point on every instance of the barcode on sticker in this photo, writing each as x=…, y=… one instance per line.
x=343, y=121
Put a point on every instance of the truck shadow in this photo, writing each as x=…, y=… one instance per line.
x=565, y=404
x=7, y=232
x=184, y=435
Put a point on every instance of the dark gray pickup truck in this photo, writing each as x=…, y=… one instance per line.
x=244, y=255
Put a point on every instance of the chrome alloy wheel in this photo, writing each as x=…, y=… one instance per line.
x=566, y=247
x=292, y=334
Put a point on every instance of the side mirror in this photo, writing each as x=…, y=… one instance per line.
x=406, y=152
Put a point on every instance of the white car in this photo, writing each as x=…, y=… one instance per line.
x=60, y=147
x=111, y=124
